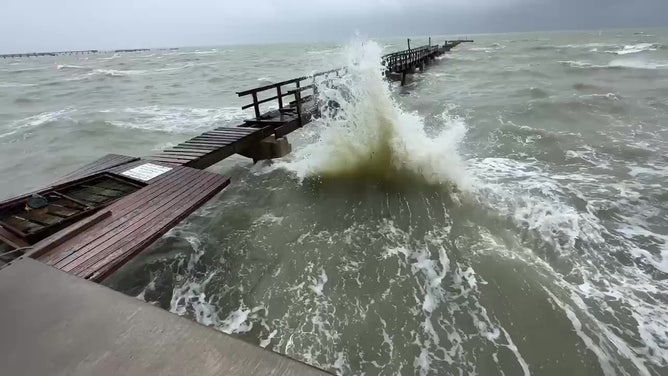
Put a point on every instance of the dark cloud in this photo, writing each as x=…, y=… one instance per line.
x=27, y=25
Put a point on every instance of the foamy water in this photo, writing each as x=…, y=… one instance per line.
x=504, y=213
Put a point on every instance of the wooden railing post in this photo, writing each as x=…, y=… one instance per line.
x=298, y=105
x=280, y=97
x=256, y=106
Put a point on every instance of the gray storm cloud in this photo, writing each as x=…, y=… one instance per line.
x=30, y=25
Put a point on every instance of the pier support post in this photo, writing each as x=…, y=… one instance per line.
x=403, y=78
x=269, y=148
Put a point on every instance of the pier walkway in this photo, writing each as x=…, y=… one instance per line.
x=97, y=218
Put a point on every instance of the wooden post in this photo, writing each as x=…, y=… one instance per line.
x=403, y=78
x=256, y=106
x=409, y=43
x=280, y=97
x=298, y=104
x=429, y=41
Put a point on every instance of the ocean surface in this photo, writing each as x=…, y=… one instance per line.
x=505, y=213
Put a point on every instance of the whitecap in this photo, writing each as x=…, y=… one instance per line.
x=635, y=48
x=173, y=119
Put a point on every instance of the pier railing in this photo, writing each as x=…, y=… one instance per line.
x=302, y=89
x=402, y=60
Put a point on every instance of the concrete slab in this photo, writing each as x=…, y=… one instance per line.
x=53, y=323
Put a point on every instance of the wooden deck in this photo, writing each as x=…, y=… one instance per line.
x=212, y=147
x=104, y=163
x=101, y=243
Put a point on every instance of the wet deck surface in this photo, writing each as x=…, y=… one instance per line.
x=53, y=323
x=98, y=245
x=211, y=147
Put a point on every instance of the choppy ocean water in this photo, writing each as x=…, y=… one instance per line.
x=504, y=213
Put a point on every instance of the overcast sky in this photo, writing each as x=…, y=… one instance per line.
x=41, y=25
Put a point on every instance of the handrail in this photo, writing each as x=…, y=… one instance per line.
x=394, y=62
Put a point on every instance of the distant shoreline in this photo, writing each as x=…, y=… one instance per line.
x=81, y=52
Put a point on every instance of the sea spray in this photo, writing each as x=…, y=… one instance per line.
x=365, y=134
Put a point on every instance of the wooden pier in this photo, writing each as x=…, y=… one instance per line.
x=407, y=61
x=94, y=220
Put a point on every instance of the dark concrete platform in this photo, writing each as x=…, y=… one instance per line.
x=53, y=323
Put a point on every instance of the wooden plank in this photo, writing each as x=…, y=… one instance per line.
x=12, y=239
x=175, y=161
x=193, y=148
x=219, y=144
x=127, y=230
x=134, y=202
x=68, y=233
x=170, y=214
x=226, y=137
x=182, y=157
x=123, y=207
x=234, y=129
x=104, y=163
x=179, y=152
x=216, y=140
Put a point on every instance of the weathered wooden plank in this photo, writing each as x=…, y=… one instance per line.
x=151, y=219
x=104, y=163
x=12, y=239
x=183, y=152
x=197, y=149
x=233, y=130
x=121, y=208
x=176, y=161
x=131, y=204
x=225, y=136
x=221, y=138
x=170, y=213
x=62, y=236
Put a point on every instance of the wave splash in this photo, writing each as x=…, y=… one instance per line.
x=365, y=135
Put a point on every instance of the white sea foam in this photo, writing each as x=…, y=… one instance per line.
x=535, y=200
x=367, y=134
x=634, y=49
x=587, y=45
x=617, y=63
x=72, y=67
x=173, y=119
x=637, y=64
x=40, y=119
x=15, y=84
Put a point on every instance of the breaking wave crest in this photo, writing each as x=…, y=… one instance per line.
x=365, y=134
x=617, y=64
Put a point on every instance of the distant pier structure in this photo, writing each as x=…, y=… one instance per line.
x=60, y=53
x=408, y=61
